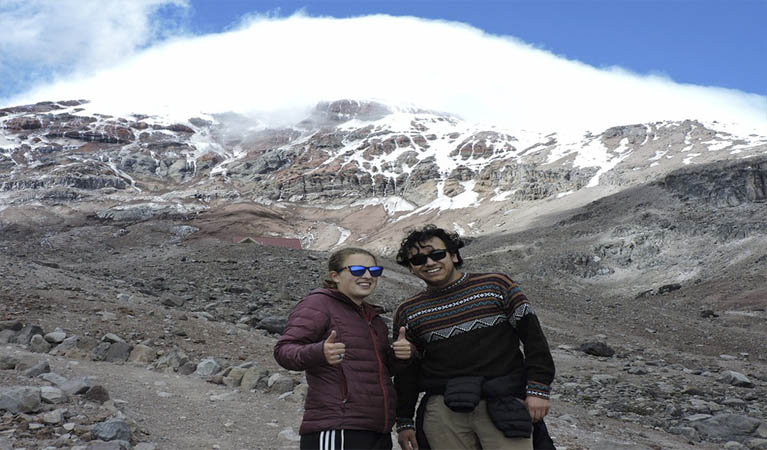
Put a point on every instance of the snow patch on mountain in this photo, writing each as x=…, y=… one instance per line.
x=467, y=199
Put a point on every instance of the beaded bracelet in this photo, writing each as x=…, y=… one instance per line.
x=404, y=423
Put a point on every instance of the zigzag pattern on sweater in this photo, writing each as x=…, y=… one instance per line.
x=523, y=310
x=448, y=332
x=452, y=306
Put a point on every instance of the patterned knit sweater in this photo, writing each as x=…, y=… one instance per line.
x=473, y=327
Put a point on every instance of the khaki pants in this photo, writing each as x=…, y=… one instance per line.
x=447, y=429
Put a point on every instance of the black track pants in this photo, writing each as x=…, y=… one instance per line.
x=346, y=440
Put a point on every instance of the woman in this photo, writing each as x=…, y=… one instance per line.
x=341, y=342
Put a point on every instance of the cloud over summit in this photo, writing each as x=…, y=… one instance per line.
x=290, y=64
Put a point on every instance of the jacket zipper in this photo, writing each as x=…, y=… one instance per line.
x=380, y=373
x=344, y=388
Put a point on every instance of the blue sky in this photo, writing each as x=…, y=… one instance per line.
x=536, y=64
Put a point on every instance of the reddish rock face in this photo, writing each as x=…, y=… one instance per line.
x=23, y=123
x=119, y=134
x=484, y=144
x=181, y=128
x=37, y=108
x=343, y=110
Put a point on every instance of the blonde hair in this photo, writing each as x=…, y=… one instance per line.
x=337, y=259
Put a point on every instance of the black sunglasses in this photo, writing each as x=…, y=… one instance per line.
x=358, y=271
x=420, y=259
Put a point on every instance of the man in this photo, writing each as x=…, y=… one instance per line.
x=481, y=390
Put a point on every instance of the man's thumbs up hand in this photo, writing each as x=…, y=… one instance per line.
x=402, y=347
x=334, y=351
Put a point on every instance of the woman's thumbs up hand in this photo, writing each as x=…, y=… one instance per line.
x=334, y=351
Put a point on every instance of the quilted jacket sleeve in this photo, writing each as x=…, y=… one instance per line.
x=300, y=346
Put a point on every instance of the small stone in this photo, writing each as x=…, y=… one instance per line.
x=112, y=430
x=56, y=337
x=50, y=394
x=736, y=379
x=289, y=435
x=97, y=394
x=597, y=349
x=38, y=344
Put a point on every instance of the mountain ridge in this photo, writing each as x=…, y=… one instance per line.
x=346, y=153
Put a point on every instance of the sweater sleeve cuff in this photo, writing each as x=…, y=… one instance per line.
x=539, y=390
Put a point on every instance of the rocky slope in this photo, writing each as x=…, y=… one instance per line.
x=179, y=335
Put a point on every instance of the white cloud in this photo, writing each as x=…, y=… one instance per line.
x=76, y=36
x=289, y=64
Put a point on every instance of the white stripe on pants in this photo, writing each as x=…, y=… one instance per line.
x=328, y=440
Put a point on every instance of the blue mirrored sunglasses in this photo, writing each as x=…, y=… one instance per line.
x=358, y=271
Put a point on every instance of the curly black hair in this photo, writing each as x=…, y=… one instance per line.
x=452, y=243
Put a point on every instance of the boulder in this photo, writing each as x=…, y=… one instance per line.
x=112, y=430
x=20, y=399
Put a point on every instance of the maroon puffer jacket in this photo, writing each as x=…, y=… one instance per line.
x=357, y=394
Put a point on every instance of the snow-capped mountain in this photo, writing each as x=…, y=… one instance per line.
x=412, y=164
